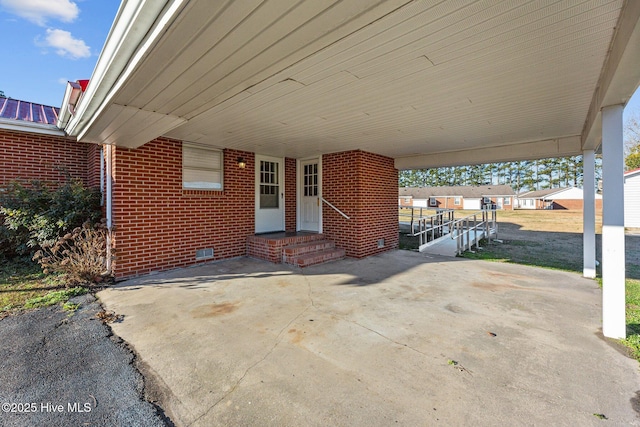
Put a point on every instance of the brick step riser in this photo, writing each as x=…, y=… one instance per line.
x=320, y=258
x=306, y=248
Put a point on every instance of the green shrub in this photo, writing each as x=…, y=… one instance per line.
x=38, y=214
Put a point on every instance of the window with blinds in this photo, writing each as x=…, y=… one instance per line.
x=201, y=167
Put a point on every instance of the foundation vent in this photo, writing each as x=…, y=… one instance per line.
x=204, y=253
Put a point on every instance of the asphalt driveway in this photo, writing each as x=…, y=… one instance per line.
x=60, y=368
x=396, y=339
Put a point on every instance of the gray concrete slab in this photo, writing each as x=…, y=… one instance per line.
x=400, y=338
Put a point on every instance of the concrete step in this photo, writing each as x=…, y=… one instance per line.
x=306, y=247
x=316, y=257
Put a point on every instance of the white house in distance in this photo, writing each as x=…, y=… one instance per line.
x=555, y=198
x=632, y=198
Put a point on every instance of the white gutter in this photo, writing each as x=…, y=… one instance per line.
x=33, y=127
x=138, y=24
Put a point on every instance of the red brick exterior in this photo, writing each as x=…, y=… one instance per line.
x=365, y=187
x=290, y=195
x=574, y=204
x=508, y=207
x=405, y=202
x=31, y=156
x=446, y=203
x=158, y=225
x=93, y=165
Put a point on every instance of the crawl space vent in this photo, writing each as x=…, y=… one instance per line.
x=204, y=253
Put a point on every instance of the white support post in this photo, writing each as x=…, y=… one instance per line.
x=613, y=252
x=109, y=207
x=589, y=215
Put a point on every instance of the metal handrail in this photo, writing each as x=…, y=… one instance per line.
x=430, y=227
x=334, y=208
x=464, y=226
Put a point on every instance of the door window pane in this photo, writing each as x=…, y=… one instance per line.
x=269, y=185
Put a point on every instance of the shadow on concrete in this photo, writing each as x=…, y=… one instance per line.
x=363, y=271
x=555, y=250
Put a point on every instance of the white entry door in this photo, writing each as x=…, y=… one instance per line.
x=310, y=204
x=269, y=194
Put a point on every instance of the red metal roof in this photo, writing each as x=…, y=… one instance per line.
x=15, y=109
x=632, y=171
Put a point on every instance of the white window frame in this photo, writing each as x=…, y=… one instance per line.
x=215, y=172
x=433, y=201
x=457, y=200
x=486, y=200
x=506, y=201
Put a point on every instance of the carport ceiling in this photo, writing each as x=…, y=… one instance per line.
x=412, y=80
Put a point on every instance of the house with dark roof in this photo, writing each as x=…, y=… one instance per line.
x=555, y=198
x=457, y=197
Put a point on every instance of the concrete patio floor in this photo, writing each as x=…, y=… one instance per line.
x=396, y=339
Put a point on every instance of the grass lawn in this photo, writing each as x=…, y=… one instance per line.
x=24, y=286
x=633, y=317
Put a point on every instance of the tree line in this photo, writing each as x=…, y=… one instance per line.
x=521, y=175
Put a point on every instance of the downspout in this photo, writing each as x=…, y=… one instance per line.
x=109, y=197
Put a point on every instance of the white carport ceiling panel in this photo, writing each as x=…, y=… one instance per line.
x=397, y=78
x=130, y=127
x=397, y=103
x=240, y=44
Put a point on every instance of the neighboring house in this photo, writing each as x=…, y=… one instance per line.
x=632, y=198
x=33, y=148
x=457, y=197
x=555, y=198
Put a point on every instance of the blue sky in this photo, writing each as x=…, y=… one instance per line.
x=48, y=42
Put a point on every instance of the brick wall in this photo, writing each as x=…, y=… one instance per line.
x=448, y=203
x=290, y=194
x=32, y=156
x=509, y=207
x=365, y=187
x=93, y=165
x=158, y=225
x=575, y=204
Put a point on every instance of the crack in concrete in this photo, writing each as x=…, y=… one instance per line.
x=279, y=339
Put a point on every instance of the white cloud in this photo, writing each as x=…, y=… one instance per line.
x=39, y=11
x=63, y=81
x=65, y=45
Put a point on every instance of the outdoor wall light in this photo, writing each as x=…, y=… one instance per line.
x=241, y=163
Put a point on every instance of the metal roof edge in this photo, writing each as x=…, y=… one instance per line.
x=32, y=127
